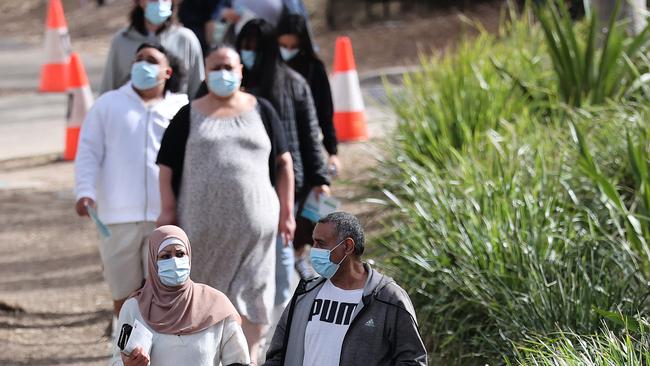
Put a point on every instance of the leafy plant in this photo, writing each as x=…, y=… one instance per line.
x=628, y=348
x=590, y=68
x=516, y=213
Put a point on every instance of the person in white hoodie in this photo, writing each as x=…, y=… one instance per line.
x=115, y=166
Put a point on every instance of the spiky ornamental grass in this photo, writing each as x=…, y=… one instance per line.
x=515, y=213
x=630, y=347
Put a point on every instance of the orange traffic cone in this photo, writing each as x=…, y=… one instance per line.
x=349, y=115
x=80, y=98
x=57, y=50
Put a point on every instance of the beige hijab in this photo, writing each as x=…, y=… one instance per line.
x=186, y=309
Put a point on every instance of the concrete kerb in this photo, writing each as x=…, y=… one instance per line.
x=13, y=164
x=393, y=75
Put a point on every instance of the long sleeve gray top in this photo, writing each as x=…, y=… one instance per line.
x=177, y=40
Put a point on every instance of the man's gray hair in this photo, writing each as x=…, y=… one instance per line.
x=346, y=226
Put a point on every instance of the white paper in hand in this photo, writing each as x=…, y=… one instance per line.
x=313, y=210
x=140, y=337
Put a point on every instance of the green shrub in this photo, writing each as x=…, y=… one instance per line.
x=459, y=96
x=592, y=67
x=494, y=247
x=513, y=214
x=627, y=348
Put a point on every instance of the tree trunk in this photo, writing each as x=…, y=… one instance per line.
x=635, y=10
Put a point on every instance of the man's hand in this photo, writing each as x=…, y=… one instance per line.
x=137, y=358
x=322, y=189
x=80, y=206
x=167, y=217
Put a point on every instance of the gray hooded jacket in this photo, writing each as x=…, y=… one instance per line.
x=178, y=41
x=383, y=331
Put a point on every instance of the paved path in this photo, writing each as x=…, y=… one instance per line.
x=32, y=123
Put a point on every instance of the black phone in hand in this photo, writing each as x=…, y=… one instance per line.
x=125, y=333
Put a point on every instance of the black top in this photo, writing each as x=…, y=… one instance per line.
x=174, y=141
x=314, y=72
x=194, y=14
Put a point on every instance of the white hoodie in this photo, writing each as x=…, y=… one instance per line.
x=116, y=157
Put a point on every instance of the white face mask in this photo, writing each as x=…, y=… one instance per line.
x=288, y=54
x=144, y=75
x=323, y=265
x=157, y=12
x=174, y=271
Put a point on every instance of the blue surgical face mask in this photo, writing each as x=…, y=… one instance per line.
x=323, y=265
x=158, y=12
x=247, y=58
x=144, y=75
x=174, y=271
x=223, y=82
x=288, y=54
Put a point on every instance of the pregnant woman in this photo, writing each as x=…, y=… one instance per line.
x=219, y=161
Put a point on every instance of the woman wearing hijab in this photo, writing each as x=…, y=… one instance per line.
x=151, y=22
x=219, y=160
x=192, y=324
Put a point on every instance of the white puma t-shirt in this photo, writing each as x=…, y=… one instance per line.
x=329, y=320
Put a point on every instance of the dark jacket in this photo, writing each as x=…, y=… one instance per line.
x=194, y=14
x=383, y=330
x=313, y=70
x=292, y=100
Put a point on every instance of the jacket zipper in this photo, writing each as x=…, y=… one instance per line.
x=146, y=147
x=352, y=323
x=371, y=298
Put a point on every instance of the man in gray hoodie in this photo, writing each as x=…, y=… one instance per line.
x=352, y=314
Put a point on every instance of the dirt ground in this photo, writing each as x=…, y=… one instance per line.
x=54, y=304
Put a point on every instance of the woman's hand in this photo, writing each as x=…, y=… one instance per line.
x=167, y=217
x=333, y=165
x=287, y=227
x=137, y=358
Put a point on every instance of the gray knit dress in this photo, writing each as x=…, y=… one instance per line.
x=230, y=210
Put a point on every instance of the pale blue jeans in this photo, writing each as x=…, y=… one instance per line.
x=284, y=259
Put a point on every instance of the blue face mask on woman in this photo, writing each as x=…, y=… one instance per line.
x=223, y=82
x=174, y=271
x=288, y=54
x=323, y=265
x=144, y=75
x=158, y=12
x=248, y=58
